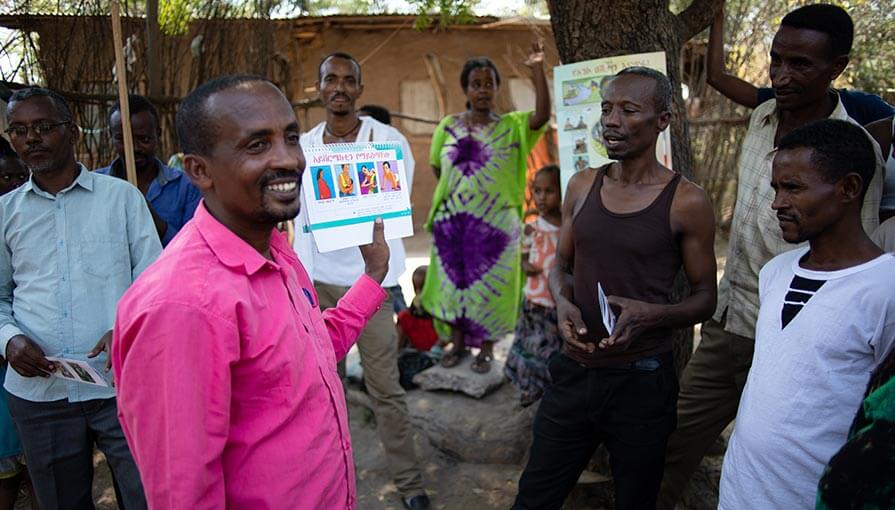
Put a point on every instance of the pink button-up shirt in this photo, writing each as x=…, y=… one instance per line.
x=226, y=373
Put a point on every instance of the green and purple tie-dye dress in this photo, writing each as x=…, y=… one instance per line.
x=474, y=281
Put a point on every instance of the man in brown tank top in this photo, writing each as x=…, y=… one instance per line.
x=629, y=227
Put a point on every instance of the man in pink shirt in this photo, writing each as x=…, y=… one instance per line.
x=226, y=368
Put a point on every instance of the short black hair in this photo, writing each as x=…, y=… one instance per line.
x=832, y=20
x=136, y=104
x=838, y=148
x=663, y=93
x=379, y=113
x=6, y=150
x=342, y=55
x=196, y=131
x=7, y=153
x=551, y=170
x=477, y=63
x=59, y=102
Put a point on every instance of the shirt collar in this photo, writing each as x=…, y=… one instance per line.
x=772, y=115
x=233, y=251
x=84, y=180
x=166, y=174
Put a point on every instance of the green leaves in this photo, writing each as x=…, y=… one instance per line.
x=442, y=13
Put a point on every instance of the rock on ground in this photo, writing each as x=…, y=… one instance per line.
x=491, y=430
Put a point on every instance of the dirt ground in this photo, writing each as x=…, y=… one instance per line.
x=450, y=484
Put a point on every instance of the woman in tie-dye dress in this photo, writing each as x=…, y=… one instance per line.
x=473, y=286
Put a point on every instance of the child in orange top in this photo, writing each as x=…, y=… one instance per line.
x=537, y=337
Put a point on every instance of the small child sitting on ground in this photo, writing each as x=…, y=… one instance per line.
x=537, y=337
x=415, y=328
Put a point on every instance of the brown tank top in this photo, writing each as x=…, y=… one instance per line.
x=633, y=255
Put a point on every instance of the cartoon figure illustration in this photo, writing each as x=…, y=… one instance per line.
x=346, y=183
x=324, y=192
x=390, y=177
x=581, y=124
x=370, y=181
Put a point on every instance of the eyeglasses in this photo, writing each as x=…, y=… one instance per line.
x=40, y=128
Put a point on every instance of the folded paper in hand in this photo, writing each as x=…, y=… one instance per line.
x=605, y=310
x=78, y=371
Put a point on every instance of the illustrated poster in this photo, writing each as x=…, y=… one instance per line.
x=347, y=186
x=77, y=370
x=578, y=92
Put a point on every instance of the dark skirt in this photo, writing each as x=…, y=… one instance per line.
x=536, y=340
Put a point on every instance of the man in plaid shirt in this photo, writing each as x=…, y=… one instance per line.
x=809, y=51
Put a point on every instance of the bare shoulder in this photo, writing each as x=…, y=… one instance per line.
x=579, y=184
x=691, y=205
x=881, y=126
x=881, y=131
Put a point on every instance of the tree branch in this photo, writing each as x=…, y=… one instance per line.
x=696, y=18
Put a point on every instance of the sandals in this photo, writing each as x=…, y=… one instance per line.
x=453, y=357
x=482, y=363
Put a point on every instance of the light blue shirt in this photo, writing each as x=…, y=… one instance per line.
x=65, y=260
x=171, y=194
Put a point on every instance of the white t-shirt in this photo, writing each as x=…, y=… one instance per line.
x=819, y=335
x=343, y=267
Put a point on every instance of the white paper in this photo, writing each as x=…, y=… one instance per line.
x=347, y=186
x=605, y=310
x=78, y=371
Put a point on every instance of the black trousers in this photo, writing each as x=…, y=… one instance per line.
x=631, y=409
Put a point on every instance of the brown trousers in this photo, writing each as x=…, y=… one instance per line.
x=711, y=387
x=379, y=356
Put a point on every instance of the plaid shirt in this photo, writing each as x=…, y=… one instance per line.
x=755, y=235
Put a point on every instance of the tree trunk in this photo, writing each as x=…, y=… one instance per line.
x=153, y=50
x=588, y=29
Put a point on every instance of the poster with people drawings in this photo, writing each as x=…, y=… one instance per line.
x=578, y=92
x=347, y=186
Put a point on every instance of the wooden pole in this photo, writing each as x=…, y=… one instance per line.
x=122, y=95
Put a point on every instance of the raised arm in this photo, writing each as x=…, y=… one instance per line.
x=350, y=315
x=693, y=220
x=881, y=131
x=535, y=63
x=737, y=90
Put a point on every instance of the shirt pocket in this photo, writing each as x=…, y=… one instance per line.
x=104, y=258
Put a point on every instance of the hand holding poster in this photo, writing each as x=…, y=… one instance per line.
x=578, y=89
x=345, y=187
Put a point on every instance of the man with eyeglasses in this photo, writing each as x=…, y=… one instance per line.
x=71, y=243
x=171, y=196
